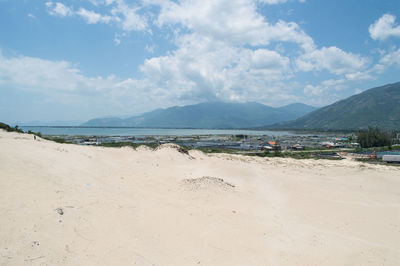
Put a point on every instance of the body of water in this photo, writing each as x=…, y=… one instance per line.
x=124, y=131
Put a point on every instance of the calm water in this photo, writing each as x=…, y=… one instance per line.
x=81, y=131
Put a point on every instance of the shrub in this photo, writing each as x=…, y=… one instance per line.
x=10, y=129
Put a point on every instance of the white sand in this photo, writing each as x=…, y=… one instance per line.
x=127, y=207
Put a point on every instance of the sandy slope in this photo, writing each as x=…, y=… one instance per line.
x=127, y=207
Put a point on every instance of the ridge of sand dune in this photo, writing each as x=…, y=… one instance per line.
x=143, y=148
x=66, y=204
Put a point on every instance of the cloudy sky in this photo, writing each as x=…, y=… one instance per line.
x=77, y=59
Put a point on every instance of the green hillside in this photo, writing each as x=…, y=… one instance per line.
x=379, y=106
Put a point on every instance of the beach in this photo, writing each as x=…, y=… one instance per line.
x=64, y=204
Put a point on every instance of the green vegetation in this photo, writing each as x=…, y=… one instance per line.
x=51, y=138
x=17, y=129
x=35, y=133
x=10, y=129
x=374, y=137
x=216, y=150
x=375, y=107
x=58, y=140
x=128, y=144
x=297, y=155
x=239, y=137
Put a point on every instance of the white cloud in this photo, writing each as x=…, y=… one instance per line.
x=225, y=50
x=387, y=60
x=311, y=90
x=128, y=17
x=337, y=84
x=150, y=48
x=93, y=17
x=333, y=59
x=59, y=9
x=331, y=90
x=325, y=88
x=102, y=2
x=359, y=76
x=61, y=82
x=125, y=16
x=357, y=91
x=36, y=74
x=266, y=59
x=235, y=22
x=391, y=58
x=31, y=16
x=384, y=28
x=221, y=52
x=274, y=2
x=117, y=40
x=206, y=69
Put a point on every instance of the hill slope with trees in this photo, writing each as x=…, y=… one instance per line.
x=376, y=107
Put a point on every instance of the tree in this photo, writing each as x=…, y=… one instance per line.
x=277, y=149
x=374, y=137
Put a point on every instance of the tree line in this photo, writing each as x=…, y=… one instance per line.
x=374, y=137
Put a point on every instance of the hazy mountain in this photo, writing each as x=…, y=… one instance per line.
x=210, y=115
x=378, y=106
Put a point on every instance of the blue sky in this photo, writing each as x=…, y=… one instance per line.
x=77, y=59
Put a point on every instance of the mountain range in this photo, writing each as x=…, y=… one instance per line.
x=209, y=115
x=378, y=106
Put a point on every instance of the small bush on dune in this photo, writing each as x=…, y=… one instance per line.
x=10, y=129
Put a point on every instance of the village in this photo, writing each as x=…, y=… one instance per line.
x=235, y=142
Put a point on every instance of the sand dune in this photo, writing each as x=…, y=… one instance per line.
x=66, y=204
